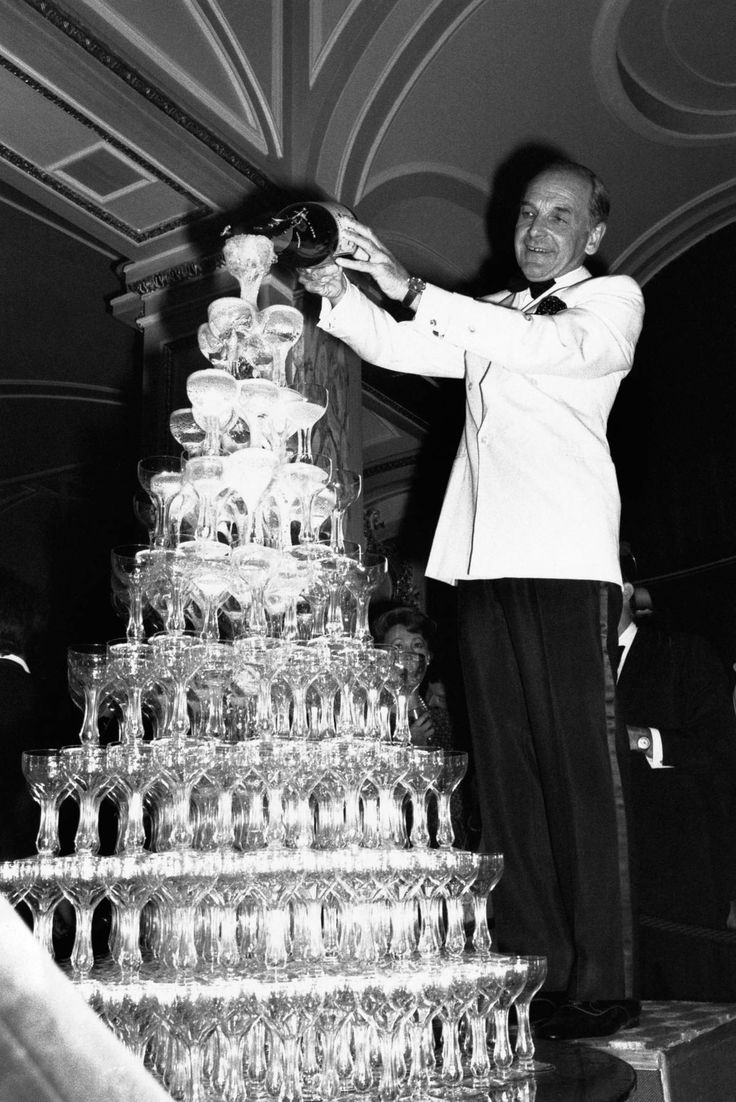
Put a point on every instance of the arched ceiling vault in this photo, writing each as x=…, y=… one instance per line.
x=141, y=126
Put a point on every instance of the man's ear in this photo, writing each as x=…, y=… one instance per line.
x=594, y=238
x=628, y=592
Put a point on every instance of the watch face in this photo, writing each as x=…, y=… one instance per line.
x=644, y=743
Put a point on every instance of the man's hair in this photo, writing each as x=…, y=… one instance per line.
x=599, y=204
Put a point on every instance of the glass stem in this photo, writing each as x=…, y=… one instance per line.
x=502, y=1053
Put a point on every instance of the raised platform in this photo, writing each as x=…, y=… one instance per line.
x=681, y=1052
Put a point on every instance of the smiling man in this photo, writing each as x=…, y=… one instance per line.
x=562, y=219
x=529, y=533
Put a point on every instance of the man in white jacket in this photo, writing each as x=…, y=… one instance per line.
x=529, y=532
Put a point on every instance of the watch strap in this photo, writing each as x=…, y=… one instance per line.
x=415, y=286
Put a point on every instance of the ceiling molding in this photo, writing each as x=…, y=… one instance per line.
x=64, y=186
x=145, y=88
x=637, y=64
x=679, y=231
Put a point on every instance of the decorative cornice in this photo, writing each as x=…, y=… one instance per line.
x=120, y=68
x=78, y=200
x=100, y=213
x=375, y=469
x=180, y=273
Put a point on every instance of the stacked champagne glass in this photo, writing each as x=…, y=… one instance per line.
x=285, y=913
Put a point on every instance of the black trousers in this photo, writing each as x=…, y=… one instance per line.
x=550, y=760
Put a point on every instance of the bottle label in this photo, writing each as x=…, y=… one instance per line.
x=341, y=214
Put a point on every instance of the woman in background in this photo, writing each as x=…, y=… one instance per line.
x=429, y=718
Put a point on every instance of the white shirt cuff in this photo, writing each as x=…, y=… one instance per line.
x=657, y=759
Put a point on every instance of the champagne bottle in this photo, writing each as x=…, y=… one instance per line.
x=306, y=234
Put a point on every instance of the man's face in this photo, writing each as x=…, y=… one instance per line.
x=554, y=231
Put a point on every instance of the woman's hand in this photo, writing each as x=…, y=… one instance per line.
x=422, y=729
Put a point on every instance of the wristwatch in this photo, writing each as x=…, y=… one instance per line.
x=644, y=743
x=415, y=288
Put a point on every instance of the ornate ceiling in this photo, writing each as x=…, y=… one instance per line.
x=142, y=127
x=138, y=123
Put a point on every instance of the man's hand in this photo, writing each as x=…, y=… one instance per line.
x=370, y=256
x=325, y=279
x=367, y=254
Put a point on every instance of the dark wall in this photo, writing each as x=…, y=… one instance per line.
x=673, y=437
x=70, y=426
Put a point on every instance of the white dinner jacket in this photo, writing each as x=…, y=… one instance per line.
x=533, y=490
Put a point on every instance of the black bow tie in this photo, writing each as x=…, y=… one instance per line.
x=537, y=289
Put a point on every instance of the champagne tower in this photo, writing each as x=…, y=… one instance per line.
x=282, y=913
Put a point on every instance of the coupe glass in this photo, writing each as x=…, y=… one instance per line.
x=249, y=472
x=231, y=322
x=208, y=573
x=43, y=896
x=490, y=868
x=249, y=257
x=213, y=677
x=179, y=657
x=211, y=346
x=161, y=478
x=334, y=566
x=254, y=564
x=346, y=485
x=188, y=434
x=305, y=415
x=130, y=887
x=405, y=674
x=214, y=395
x=297, y=483
x=524, y=1062
x=363, y=578
x=454, y=765
x=511, y=973
x=89, y=777
x=49, y=785
x=126, y=582
x=84, y=887
x=281, y=328
x=164, y=583
x=459, y=995
x=281, y=596
x=131, y=671
x=256, y=400
x=478, y=1014
x=87, y=670
x=133, y=770
x=205, y=476
x=423, y=769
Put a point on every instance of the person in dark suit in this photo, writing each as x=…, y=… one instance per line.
x=674, y=695
x=20, y=715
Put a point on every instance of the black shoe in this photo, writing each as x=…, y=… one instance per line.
x=590, y=1019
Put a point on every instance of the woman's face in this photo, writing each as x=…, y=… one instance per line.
x=399, y=636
